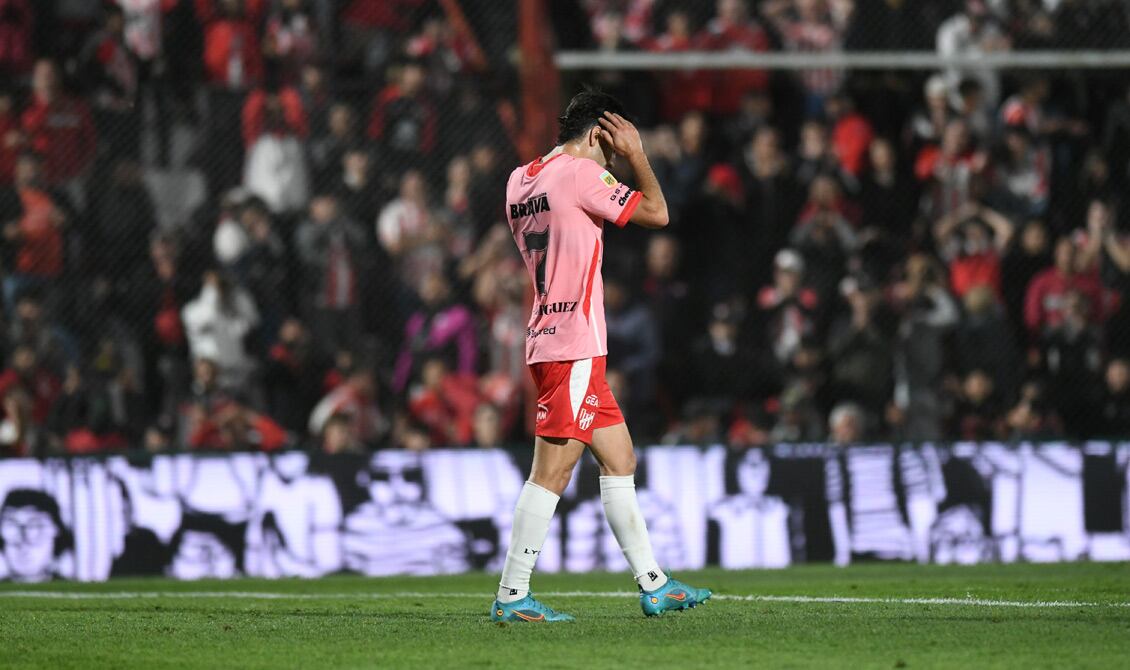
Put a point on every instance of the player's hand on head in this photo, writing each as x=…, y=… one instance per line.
x=621, y=134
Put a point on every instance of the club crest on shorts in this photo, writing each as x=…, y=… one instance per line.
x=543, y=413
x=585, y=419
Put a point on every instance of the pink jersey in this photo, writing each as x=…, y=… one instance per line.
x=557, y=211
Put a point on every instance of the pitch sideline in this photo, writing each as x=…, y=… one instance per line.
x=796, y=599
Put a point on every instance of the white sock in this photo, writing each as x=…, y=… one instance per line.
x=532, y=515
x=622, y=510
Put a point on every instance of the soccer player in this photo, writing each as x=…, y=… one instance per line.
x=557, y=206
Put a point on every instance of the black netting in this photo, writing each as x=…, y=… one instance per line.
x=241, y=223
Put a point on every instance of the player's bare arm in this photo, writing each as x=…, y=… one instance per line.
x=624, y=139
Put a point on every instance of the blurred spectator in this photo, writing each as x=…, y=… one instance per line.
x=486, y=431
x=810, y=26
x=719, y=366
x=290, y=36
x=356, y=185
x=1033, y=417
x=54, y=347
x=928, y=124
x=969, y=104
x=773, y=199
x=691, y=166
x=679, y=91
x=456, y=210
x=233, y=427
x=233, y=57
x=290, y=376
x=11, y=137
x=275, y=166
x=787, y=306
x=755, y=113
x=444, y=403
x=151, y=306
x=824, y=234
x=634, y=344
x=146, y=30
x=16, y=37
x=217, y=324
x=985, y=341
x=403, y=119
x=229, y=239
x=886, y=195
x=851, y=131
x=111, y=73
x=718, y=233
x=1029, y=253
x=356, y=399
x=977, y=413
x=35, y=236
x=731, y=29
x=1046, y=298
x=95, y=415
x=667, y=296
x=278, y=111
x=326, y=146
x=263, y=268
x=816, y=156
x=859, y=351
x=60, y=128
x=16, y=434
x=927, y=315
x=440, y=327
x=1072, y=355
x=971, y=239
x=329, y=246
x=1111, y=250
x=948, y=171
x=125, y=216
x=969, y=34
x=338, y=438
x=1115, y=401
x=1021, y=175
x=847, y=424
x=409, y=231
x=34, y=382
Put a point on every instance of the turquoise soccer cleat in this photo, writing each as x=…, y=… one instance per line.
x=674, y=595
x=526, y=609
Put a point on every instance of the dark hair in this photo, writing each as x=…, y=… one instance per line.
x=231, y=535
x=583, y=111
x=44, y=503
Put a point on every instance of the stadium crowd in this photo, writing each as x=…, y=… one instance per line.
x=247, y=224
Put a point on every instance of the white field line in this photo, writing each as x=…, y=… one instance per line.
x=405, y=595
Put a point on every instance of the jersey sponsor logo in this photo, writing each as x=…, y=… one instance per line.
x=592, y=400
x=531, y=333
x=543, y=413
x=557, y=308
x=585, y=419
x=621, y=194
x=534, y=205
x=608, y=179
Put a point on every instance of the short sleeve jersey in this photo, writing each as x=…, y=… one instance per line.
x=557, y=209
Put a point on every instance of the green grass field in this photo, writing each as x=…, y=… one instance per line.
x=890, y=616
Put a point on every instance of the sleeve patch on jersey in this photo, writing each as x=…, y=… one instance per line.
x=608, y=179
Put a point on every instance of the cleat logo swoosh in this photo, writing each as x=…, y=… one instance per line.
x=680, y=596
x=527, y=617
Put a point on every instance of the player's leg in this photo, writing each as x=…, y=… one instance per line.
x=554, y=461
x=613, y=449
